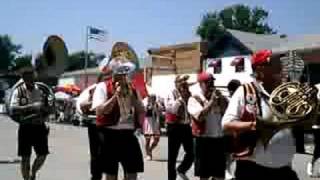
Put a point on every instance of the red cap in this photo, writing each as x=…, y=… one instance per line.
x=204, y=76
x=261, y=57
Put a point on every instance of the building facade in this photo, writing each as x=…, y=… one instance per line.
x=79, y=77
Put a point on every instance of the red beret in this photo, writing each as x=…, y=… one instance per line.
x=204, y=76
x=261, y=57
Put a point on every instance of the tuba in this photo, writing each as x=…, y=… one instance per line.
x=292, y=103
x=122, y=61
x=50, y=64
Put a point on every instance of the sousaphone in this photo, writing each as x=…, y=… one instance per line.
x=124, y=54
x=50, y=65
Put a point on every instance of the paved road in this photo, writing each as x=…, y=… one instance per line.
x=69, y=155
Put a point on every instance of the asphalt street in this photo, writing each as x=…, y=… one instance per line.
x=69, y=155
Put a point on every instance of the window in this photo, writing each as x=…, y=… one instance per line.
x=216, y=64
x=238, y=63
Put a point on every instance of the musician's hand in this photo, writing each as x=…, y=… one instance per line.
x=218, y=93
x=214, y=95
x=176, y=94
x=253, y=126
x=85, y=107
x=36, y=105
x=138, y=132
x=117, y=89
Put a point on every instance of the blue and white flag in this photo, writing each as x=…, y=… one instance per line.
x=97, y=34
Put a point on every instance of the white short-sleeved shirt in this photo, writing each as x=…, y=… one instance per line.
x=281, y=148
x=83, y=97
x=213, y=120
x=31, y=97
x=99, y=97
x=173, y=105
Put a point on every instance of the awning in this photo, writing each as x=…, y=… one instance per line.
x=69, y=88
x=214, y=63
x=238, y=61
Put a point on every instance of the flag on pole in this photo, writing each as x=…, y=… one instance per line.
x=97, y=34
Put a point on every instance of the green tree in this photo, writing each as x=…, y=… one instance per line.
x=239, y=17
x=76, y=60
x=20, y=61
x=211, y=28
x=8, y=52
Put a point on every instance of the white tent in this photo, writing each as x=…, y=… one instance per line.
x=62, y=95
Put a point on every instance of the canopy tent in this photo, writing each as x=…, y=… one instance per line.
x=69, y=88
x=62, y=95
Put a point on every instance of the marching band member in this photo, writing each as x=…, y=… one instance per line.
x=274, y=162
x=230, y=166
x=207, y=109
x=233, y=86
x=316, y=152
x=151, y=125
x=178, y=129
x=83, y=105
x=29, y=103
x=119, y=113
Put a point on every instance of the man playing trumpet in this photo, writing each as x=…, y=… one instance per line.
x=179, y=129
x=84, y=103
x=206, y=109
x=249, y=102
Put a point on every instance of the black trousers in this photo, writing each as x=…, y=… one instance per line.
x=179, y=134
x=316, y=151
x=298, y=133
x=247, y=170
x=95, y=152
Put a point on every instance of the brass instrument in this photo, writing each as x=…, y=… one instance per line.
x=292, y=103
x=50, y=64
x=220, y=102
x=182, y=85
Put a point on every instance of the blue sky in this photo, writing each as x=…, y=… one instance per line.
x=142, y=23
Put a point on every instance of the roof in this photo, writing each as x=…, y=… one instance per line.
x=276, y=43
x=191, y=45
x=302, y=43
x=254, y=42
x=82, y=71
x=257, y=41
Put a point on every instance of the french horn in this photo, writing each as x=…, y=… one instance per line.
x=292, y=103
x=50, y=64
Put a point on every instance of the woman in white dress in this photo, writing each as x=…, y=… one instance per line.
x=151, y=125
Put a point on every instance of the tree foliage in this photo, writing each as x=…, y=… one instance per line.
x=239, y=17
x=76, y=60
x=20, y=61
x=8, y=52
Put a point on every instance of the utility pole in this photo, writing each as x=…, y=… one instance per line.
x=86, y=57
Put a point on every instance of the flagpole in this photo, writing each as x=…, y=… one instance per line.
x=86, y=56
